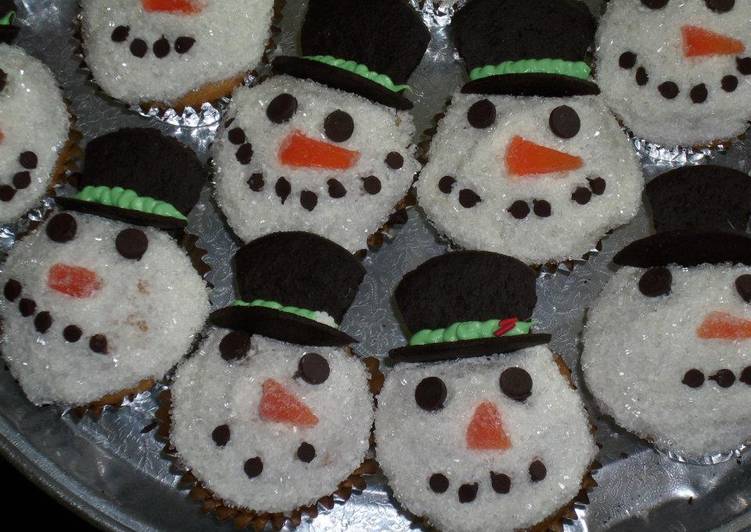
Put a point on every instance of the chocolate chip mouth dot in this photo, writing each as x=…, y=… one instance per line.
x=438, y=483
x=306, y=452
x=221, y=435
x=537, y=471
x=500, y=482
x=253, y=467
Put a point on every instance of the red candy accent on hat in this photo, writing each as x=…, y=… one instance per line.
x=505, y=326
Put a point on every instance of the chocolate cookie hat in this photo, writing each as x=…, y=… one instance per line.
x=700, y=216
x=139, y=176
x=526, y=47
x=467, y=304
x=8, y=30
x=295, y=287
x=368, y=47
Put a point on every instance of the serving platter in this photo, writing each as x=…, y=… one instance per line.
x=111, y=468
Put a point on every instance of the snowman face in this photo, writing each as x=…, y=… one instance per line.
x=33, y=130
x=267, y=425
x=537, y=178
x=507, y=442
x=300, y=156
x=92, y=306
x=677, y=71
x=160, y=50
x=667, y=350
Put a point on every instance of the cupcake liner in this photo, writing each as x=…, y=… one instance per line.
x=397, y=218
x=200, y=107
x=245, y=518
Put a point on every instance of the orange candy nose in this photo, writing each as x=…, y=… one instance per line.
x=485, y=431
x=524, y=158
x=282, y=406
x=186, y=7
x=73, y=281
x=300, y=151
x=698, y=42
x=724, y=326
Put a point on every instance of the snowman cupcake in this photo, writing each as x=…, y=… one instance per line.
x=527, y=160
x=327, y=146
x=666, y=346
x=98, y=302
x=174, y=53
x=34, y=128
x=274, y=412
x=677, y=72
x=477, y=427
x=8, y=28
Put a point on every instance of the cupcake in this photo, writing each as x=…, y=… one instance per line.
x=99, y=302
x=173, y=53
x=326, y=147
x=478, y=427
x=274, y=412
x=34, y=128
x=666, y=344
x=675, y=72
x=527, y=160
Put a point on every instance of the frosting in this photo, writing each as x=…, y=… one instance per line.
x=93, y=321
x=495, y=453
x=470, y=330
x=360, y=70
x=315, y=315
x=8, y=19
x=224, y=416
x=539, y=179
x=34, y=125
x=345, y=202
x=140, y=56
x=646, y=372
x=677, y=76
x=128, y=199
x=574, y=69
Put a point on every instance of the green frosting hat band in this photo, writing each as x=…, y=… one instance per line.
x=314, y=315
x=8, y=19
x=360, y=70
x=574, y=69
x=471, y=330
x=128, y=199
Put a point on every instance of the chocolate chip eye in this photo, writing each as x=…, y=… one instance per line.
x=482, y=114
x=516, y=384
x=743, y=286
x=564, y=122
x=656, y=282
x=132, y=243
x=655, y=4
x=282, y=108
x=62, y=228
x=313, y=368
x=339, y=126
x=430, y=394
x=720, y=6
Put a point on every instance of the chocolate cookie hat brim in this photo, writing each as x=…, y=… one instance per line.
x=687, y=248
x=338, y=78
x=467, y=349
x=123, y=215
x=536, y=84
x=700, y=214
x=280, y=326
